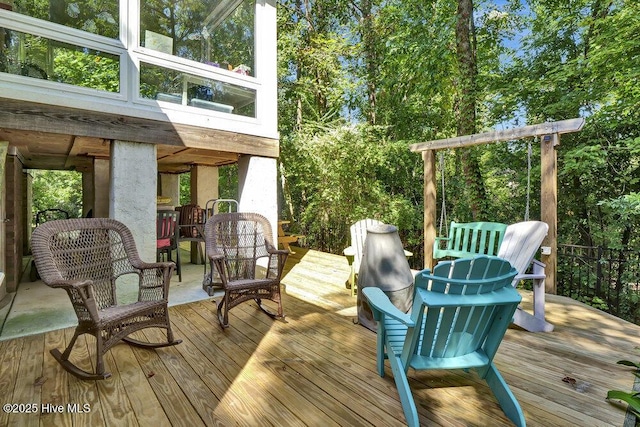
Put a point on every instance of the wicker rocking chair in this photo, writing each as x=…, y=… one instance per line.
x=234, y=244
x=86, y=257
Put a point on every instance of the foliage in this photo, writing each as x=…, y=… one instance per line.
x=185, y=188
x=95, y=16
x=575, y=61
x=537, y=61
x=82, y=67
x=632, y=399
x=57, y=190
x=347, y=174
x=227, y=184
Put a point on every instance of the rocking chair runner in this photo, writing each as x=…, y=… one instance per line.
x=235, y=242
x=460, y=315
x=86, y=257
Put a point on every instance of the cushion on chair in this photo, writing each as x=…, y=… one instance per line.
x=163, y=243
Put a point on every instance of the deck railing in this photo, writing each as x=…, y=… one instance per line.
x=608, y=279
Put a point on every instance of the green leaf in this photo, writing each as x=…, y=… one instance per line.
x=629, y=363
x=630, y=398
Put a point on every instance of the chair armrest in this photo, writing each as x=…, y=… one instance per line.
x=77, y=284
x=277, y=260
x=142, y=265
x=85, y=290
x=437, y=245
x=278, y=251
x=381, y=305
x=350, y=253
x=215, y=256
x=165, y=267
x=154, y=276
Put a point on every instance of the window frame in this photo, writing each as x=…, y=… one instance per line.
x=127, y=48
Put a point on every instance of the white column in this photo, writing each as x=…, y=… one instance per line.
x=170, y=187
x=204, y=184
x=132, y=200
x=204, y=187
x=257, y=188
x=101, y=184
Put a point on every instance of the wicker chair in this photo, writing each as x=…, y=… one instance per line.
x=86, y=257
x=234, y=244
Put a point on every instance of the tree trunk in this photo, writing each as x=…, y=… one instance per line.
x=370, y=58
x=466, y=106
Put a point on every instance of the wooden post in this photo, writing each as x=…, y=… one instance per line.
x=429, y=158
x=549, y=206
x=4, y=146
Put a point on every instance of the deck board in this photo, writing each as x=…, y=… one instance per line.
x=317, y=368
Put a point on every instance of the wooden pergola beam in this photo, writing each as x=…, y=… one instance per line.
x=550, y=138
x=549, y=128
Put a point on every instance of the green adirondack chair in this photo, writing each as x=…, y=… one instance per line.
x=459, y=317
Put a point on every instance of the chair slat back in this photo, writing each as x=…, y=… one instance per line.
x=190, y=215
x=166, y=228
x=521, y=242
x=476, y=237
x=242, y=238
x=358, y=237
x=463, y=324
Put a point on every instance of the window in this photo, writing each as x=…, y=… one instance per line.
x=42, y=58
x=191, y=56
x=163, y=84
x=215, y=32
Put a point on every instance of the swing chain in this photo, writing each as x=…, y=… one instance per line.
x=529, y=154
x=443, y=208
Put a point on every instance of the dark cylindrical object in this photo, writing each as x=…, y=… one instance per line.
x=384, y=265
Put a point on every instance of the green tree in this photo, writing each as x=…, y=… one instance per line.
x=350, y=173
x=57, y=190
x=576, y=62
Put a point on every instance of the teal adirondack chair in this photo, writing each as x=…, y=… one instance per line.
x=460, y=315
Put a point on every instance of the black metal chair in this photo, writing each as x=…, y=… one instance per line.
x=167, y=237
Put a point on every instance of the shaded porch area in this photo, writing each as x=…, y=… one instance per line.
x=318, y=368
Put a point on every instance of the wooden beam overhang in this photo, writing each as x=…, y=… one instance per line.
x=549, y=128
x=64, y=138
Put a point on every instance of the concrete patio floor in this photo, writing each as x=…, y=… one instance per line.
x=37, y=308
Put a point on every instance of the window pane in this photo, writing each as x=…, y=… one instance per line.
x=215, y=32
x=94, y=16
x=42, y=58
x=167, y=85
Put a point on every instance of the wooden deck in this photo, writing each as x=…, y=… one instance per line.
x=316, y=369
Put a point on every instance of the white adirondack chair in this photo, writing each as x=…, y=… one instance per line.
x=519, y=246
x=354, y=252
